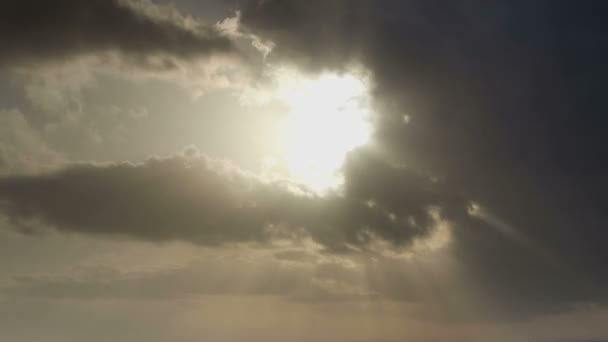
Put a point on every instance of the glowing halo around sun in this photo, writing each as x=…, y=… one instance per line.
x=328, y=116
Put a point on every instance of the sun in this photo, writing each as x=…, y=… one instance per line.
x=327, y=116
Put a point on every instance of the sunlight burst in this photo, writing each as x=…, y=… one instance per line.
x=328, y=116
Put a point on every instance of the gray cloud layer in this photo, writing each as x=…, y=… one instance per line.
x=195, y=199
x=35, y=31
x=325, y=281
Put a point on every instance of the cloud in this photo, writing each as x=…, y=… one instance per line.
x=192, y=198
x=140, y=32
x=490, y=93
x=215, y=276
x=22, y=148
x=491, y=114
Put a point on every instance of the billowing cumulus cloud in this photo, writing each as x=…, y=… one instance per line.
x=193, y=198
x=141, y=32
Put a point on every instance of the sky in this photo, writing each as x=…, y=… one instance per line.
x=291, y=170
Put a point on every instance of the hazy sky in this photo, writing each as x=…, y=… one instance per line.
x=286, y=170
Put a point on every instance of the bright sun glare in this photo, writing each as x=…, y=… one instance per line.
x=328, y=116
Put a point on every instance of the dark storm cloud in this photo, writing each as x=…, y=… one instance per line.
x=38, y=31
x=507, y=107
x=194, y=199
